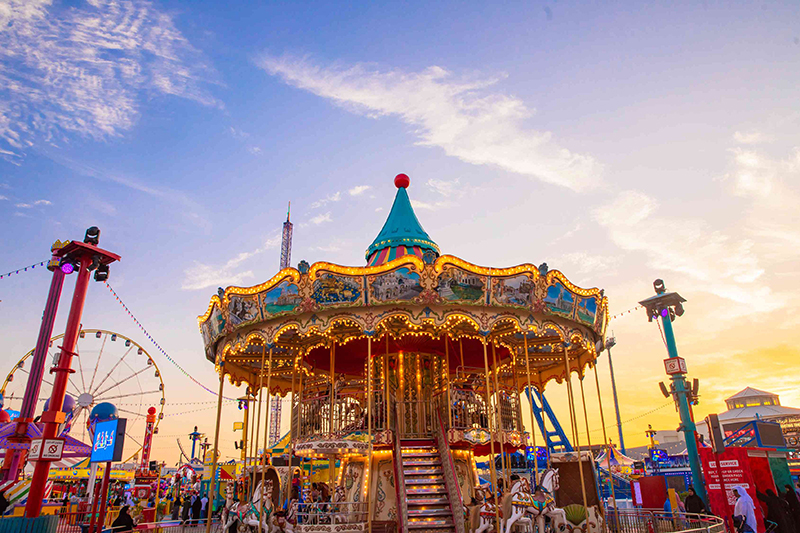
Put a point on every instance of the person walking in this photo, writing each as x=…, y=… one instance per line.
x=197, y=506
x=744, y=510
x=790, y=496
x=776, y=511
x=187, y=506
x=124, y=521
x=694, y=503
x=176, y=506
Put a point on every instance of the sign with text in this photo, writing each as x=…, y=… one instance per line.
x=52, y=449
x=109, y=438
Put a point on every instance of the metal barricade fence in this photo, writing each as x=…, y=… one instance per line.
x=78, y=522
x=656, y=521
x=330, y=513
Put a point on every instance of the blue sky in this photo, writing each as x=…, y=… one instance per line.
x=618, y=143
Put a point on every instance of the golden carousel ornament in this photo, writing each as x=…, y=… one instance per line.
x=402, y=371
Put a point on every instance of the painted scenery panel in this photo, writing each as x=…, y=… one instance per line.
x=513, y=292
x=586, y=310
x=282, y=298
x=215, y=322
x=243, y=309
x=400, y=284
x=332, y=289
x=559, y=300
x=459, y=285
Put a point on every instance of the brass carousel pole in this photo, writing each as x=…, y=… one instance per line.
x=574, y=423
x=288, y=495
x=300, y=428
x=266, y=436
x=499, y=422
x=461, y=348
x=252, y=428
x=530, y=403
x=369, y=430
x=260, y=398
x=492, y=468
x=332, y=462
x=541, y=391
x=212, y=485
x=605, y=442
x=386, y=382
x=447, y=380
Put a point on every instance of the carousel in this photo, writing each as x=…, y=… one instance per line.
x=400, y=374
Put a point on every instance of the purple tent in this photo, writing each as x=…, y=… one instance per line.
x=73, y=448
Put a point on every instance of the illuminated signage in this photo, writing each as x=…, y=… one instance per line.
x=109, y=438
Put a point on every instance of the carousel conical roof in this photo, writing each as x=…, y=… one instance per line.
x=402, y=234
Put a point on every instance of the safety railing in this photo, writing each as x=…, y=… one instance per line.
x=654, y=521
x=79, y=522
x=330, y=513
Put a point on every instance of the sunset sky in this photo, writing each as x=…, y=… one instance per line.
x=618, y=143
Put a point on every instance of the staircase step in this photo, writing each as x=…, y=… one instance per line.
x=422, y=471
x=425, y=490
x=434, y=499
x=438, y=523
x=418, y=513
x=430, y=480
x=418, y=453
x=419, y=461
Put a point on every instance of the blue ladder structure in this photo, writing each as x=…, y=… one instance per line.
x=556, y=439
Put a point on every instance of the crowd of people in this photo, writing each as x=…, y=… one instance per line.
x=782, y=510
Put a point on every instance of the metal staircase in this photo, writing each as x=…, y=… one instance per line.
x=425, y=490
x=557, y=440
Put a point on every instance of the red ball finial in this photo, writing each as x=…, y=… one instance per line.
x=151, y=411
x=401, y=181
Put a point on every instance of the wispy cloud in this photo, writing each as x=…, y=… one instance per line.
x=255, y=150
x=320, y=219
x=335, y=197
x=202, y=276
x=3, y=197
x=752, y=137
x=84, y=70
x=358, y=190
x=716, y=262
x=469, y=118
x=237, y=133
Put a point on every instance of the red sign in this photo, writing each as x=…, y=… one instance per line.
x=737, y=468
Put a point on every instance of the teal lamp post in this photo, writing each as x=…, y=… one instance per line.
x=666, y=306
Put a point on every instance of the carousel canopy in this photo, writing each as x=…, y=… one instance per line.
x=408, y=299
x=402, y=234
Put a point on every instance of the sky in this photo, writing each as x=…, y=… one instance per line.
x=618, y=143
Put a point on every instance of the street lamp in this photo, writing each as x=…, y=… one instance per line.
x=610, y=343
x=667, y=306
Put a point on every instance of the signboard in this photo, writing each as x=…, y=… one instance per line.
x=52, y=449
x=658, y=455
x=109, y=438
x=47, y=449
x=675, y=365
x=35, y=450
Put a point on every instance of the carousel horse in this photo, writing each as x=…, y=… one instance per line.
x=340, y=512
x=228, y=514
x=279, y=523
x=484, y=514
x=540, y=504
x=249, y=516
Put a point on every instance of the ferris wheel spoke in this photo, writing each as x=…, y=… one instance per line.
x=80, y=367
x=112, y=370
x=83, y=426
x=97, y=365
x=138, y=415
x=133, y=439
x=120, y=382
x=43, y=380
x=106, y=398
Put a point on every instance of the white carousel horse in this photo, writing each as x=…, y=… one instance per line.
x=539, y=504
x=485, y=514
x=279, y=523
x=548, y=485
x=518, y=504
x=228, y=513
x=250, y=515
x=340, y=512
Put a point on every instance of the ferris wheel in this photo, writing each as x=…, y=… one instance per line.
x=109, y=368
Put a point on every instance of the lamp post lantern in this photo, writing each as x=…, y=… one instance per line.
x=667, y=306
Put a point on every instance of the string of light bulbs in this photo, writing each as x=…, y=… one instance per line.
x=158, y=346
x=632, y=309
x=23, y=269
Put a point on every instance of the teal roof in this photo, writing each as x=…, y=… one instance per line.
x=402, y=228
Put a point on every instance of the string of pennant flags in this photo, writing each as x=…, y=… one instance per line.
x=23, y=269
x=623, y=313
x=158, y=346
